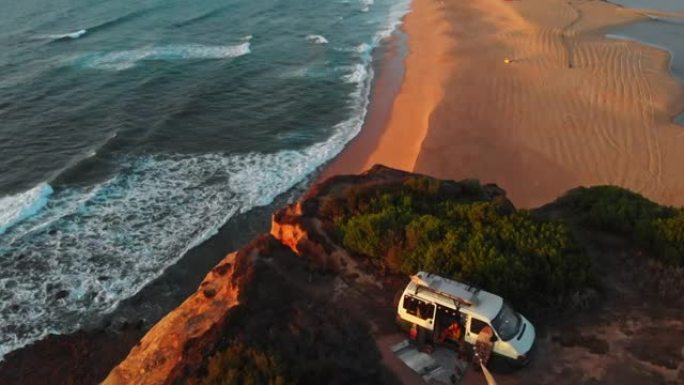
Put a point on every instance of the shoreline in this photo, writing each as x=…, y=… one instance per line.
x=558, y=117
x=398, y=114
x=389, y=69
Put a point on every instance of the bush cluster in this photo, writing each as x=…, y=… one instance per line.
x=658, y=228
x=284, y=332
x=467, y=237
x=241, y=364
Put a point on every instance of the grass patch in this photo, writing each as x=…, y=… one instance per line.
x=241, y=364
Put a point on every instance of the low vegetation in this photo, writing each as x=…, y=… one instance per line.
x=308, y=344
x=240, y=364
x=284, y=332
x=462, y=234
x=657, y=228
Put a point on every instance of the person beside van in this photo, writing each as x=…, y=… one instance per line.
x=484, y=346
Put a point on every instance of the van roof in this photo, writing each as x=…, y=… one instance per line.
x=452, y=294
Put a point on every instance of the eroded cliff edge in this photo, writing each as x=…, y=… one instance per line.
x=295, y=307
x=290, y=284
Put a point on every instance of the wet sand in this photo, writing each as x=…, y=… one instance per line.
x=388, y=66
x=573, y=108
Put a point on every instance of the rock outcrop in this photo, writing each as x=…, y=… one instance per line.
x=176, y=345
x=273, y=283
x=296, y=307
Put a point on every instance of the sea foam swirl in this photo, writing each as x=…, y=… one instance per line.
x=122, y=60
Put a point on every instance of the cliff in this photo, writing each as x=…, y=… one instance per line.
x=299, y=261
x=294, y=306
x=176, y=345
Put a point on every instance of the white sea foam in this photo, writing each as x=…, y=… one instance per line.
x=366, y=4
x=122, y=60
x=359, y=74
x=317, y=39
x=16, y=208
x=65, y=36
x=91, y=247
x=397, y=12
x=360, y=49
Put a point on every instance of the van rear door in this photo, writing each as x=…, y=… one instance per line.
x=419, y=312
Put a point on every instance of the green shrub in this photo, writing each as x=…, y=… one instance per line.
x=668, y=238
x=614, y=209
x=373, y=234
x=482, y=242
x=240, y=364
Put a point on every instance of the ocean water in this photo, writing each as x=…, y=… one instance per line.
x=659, y=31
x=130, y=131
x=657, y=5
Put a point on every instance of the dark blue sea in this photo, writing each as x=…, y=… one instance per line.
x=130, y=131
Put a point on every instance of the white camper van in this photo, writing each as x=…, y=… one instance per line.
x=435, y=303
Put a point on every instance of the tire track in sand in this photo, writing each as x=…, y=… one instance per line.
x=567, y=30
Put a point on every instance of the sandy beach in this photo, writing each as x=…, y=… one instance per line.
x=571, y=108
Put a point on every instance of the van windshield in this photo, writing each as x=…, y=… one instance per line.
x=507, y=322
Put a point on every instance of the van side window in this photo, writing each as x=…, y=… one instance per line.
x=476, y=325
x=418, y=308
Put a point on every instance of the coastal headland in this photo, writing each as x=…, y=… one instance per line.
x=313, y=301
x=532, y=96
x=526, y=94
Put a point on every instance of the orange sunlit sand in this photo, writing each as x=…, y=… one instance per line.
x=532, y=96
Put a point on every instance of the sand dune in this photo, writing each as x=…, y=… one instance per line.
x=574, y=108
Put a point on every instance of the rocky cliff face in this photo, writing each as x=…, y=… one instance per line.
x=177, y=344
x=307, y=312
x=297, y=257
x=274, y=283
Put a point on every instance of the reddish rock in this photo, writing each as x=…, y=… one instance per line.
x=177, y=344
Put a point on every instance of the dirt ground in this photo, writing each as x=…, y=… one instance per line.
x=626, y=334
x=627, y=330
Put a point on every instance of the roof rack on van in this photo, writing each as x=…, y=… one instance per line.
x=461, y=294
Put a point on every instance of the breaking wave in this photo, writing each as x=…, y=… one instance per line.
x=67, y=36
x=16, y=208
x=317, y=39
x=366, y=4
x=122, y=60
x=90, y=247
x=358, y=74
